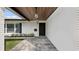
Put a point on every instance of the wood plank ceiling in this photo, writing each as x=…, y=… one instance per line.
x=29, y=12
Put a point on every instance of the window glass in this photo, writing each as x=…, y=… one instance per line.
x=10, y=28
x=18, y=28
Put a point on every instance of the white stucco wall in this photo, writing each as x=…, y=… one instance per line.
x=1, y=30
x=28, y=27
x=61, y=29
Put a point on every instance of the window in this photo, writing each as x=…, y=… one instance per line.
x=18, y=29
x=12, y=28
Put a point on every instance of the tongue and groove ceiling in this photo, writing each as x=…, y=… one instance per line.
x=29, y=12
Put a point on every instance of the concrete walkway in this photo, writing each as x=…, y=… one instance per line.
x=34, y=44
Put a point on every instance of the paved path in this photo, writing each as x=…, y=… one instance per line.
x=34, y=44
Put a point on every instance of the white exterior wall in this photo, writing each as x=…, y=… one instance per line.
x=61, y=28
x=28, y=27
x=1, y=30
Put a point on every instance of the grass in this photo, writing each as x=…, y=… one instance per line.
x=10, y=43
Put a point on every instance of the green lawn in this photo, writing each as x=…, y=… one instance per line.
x=10, y=43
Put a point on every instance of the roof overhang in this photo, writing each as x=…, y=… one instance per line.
x=29, y=12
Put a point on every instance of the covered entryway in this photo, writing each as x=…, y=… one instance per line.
x=32, y=29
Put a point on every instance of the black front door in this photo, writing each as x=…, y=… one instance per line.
x=41, y=29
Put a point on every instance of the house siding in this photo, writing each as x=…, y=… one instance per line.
x=1, y=30
x=61, y=28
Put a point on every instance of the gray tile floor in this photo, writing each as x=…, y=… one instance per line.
x=34, y=44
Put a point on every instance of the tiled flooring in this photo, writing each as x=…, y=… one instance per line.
x=35, y=44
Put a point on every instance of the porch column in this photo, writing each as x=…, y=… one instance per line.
x=1, y=30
